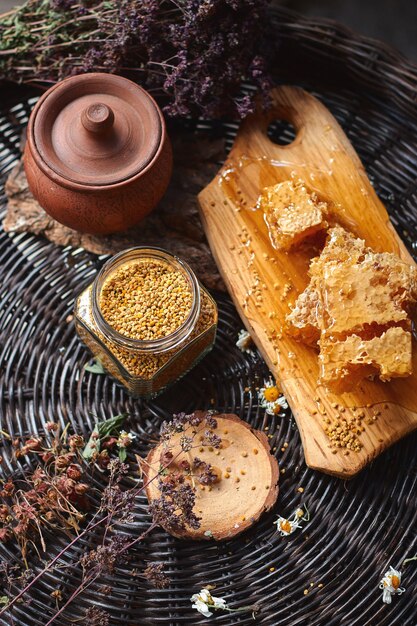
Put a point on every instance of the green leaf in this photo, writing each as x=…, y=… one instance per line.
x=4, y=600
x=101, y=431
x=109, y=426
x=122, y=454
x=96, y=367
x=93, y=445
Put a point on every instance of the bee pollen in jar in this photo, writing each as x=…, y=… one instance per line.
x=147, y=319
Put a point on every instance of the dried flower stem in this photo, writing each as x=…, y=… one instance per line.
x=85, y=584
x=56, y=558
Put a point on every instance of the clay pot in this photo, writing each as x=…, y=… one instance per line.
x=97, y=156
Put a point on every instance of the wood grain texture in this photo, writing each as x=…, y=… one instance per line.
x=248, y=484
x=264, y=282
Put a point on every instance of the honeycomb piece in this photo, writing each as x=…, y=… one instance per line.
x=402, y=277
x=356, y=306
x=370, y=292
x=305, y=319
x=343, y=364
x=291, y=213
x=352, y=289
x=341, y=247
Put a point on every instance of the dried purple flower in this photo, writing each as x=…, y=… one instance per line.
x=195, y=419
x=186, y=443
x=170, y=483
x=173, y=510
x=154, y=573
x=96, y=617
x=209, y=476
x=104, y=558
x=176, y=425
x=211, y=421
x=211, y=439
x=118, y=502
x=62, y=5
x=117, y=470
x=198, y=463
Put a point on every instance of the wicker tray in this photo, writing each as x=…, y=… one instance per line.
x=357, y=528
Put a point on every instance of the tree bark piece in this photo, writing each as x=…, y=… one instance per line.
x=174, y=225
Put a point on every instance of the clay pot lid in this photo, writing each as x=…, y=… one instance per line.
x=248, y=485
x=96, y=129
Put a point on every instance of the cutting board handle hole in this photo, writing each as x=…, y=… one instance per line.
x=281, y=132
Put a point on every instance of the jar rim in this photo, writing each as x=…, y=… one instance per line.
x=161, y=344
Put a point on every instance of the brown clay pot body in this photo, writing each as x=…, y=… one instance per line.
x=97, y=156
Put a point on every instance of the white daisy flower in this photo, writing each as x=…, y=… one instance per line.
x=390, y=585
x=204, y=601
x=244, y=341
x=271, y=399
x=125, y=439
x=288, y=526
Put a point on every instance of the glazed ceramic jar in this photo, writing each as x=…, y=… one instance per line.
x=97, y=156
x=147, y=318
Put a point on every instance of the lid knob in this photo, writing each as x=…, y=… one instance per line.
x=97, y=118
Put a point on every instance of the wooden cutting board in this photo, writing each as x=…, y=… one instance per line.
x=263, y=282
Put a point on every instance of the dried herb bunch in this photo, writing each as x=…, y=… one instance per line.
x=191, y=53
x=177, y=476
x=55, y=495
x=174, y=509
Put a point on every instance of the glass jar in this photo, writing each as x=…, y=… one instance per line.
x=146, y=367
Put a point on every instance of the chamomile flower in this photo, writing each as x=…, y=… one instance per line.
x=390, y=585
x=204, y=601
x=244, y=341
x=125, y=439
x=288, y=526
x=271, y=399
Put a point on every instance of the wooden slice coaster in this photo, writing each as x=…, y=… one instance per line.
x=248, y=478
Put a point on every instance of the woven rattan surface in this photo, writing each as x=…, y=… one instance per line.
x=357, y=528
